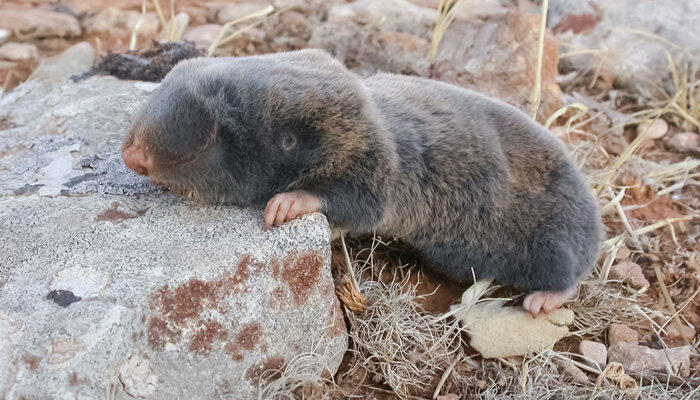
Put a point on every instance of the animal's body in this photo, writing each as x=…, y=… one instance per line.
x=471, y=182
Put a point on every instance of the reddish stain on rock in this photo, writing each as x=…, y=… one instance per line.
x=237, y=282
x=159, y=334
x=277, y=298
x=114, y=215
x=249, y=336
x=338, y=327
x=31, y=360
x=74, y=380
x=207, y=334
x=188, y=300
x=301, y=273
x=181, y=308
x=578, y=23
x=268, y=368
x=276, y=267
x=234, y=351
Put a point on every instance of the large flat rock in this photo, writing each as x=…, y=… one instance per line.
x=108, y=284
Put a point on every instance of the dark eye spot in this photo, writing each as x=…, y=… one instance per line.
x=288, y=142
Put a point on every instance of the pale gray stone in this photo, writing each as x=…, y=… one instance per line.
x=168, y=299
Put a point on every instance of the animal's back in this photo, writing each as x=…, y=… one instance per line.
x=481, y=185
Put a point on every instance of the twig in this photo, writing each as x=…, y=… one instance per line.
x=669, y=302
x=159, y=11
x=221, y=40
x=446, y=13
x=444, y=377
x=535, y=100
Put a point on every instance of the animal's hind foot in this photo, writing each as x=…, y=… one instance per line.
x=547, y=301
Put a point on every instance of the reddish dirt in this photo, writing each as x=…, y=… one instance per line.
x=580, y=22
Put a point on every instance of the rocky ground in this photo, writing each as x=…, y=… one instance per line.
x=620, y=85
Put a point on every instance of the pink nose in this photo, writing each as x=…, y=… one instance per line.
x=137, y=159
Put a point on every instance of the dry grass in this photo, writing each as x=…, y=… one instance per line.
x=410, y=351
x=301, y=377
x=446, y=14
x=222, y=38
x=536, y=90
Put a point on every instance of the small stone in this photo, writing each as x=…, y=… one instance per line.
x=63, y=298
x=19, y=51
x=654, y=129
x=623, y=253
x=684, y=331
x=569, y=369
x=204, y=35
x=619, y=333
x=113, y=21
x=685, y=142
x=5, y=35
x=80, y=281
x=341, y=13
x=137, y=377
x=64, y=349
x=641, y=359
x=491, y=329
x=594, y=351
x=630, y=273
x=37, y=23
x=223, y=13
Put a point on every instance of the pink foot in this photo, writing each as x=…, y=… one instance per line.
x=547, y=301
x=284, y=207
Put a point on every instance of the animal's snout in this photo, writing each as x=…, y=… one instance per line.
x=137, y=159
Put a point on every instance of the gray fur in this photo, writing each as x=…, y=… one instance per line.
x=471, y=182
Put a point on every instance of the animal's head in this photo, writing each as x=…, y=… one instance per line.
x=239, y=130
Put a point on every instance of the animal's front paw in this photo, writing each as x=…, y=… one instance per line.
x=547, y=301
x=284, y=207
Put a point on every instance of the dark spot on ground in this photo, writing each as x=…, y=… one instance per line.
x=114, y=215
x=82, y=178
x=144, y=65
x=63, y=298
x=6, y=124
x=301, y=273
x=26, y=190
x=209, y=332
x=268, y=368
x=31, y=360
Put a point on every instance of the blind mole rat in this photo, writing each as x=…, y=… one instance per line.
x=471, y=182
